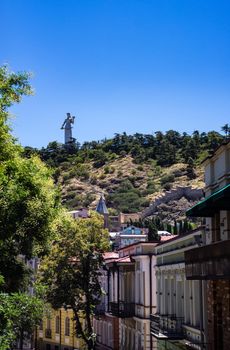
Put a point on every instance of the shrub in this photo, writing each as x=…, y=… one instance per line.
x=93, y=180
x=167, y=179
x=102, y=176
x=119, y=173
x=167, y=186
x=140, y=168
x=112, y=169
x=106, y=169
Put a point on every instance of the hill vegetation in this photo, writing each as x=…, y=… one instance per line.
x=129, y=169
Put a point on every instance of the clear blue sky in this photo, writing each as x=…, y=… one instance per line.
x=118, y=65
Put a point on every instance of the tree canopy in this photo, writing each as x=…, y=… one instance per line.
x=72, y=269
x=29, y=202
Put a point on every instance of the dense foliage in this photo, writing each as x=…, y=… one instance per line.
x=71, y=271
x=166, y=148
x=28, y=205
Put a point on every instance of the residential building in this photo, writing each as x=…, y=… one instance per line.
x=132, y=294
x=57, y=332
x=130, y=235
x=210, y=263
x=106, y=326
x=177, y=322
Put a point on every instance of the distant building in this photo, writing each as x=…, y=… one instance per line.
x=130, y=235
x=80, y=213
x=121, y=221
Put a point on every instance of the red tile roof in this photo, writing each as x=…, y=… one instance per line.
x=166, y=238
x=110, y=255
x=125, y=259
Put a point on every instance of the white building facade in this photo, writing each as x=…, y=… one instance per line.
x=177, y=321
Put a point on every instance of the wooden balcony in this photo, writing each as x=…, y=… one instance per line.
x=48, y=333
x=210, y=262
x=122, y=309
x=166, y=326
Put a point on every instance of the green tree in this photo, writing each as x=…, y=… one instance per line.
x=28, y=204
x=226, y=129
x=19, y=315
x=28, y=197
x=71, y=272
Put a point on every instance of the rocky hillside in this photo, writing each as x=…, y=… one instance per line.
x=127, y=186
x=132, y=171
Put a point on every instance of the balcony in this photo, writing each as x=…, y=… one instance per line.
x=48, y=333
x=122, y=309
x=166, y=326
x=210, y=262
x=100, y=309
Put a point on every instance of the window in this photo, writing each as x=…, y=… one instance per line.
x=57, y=324
x=48, y=347
x=67, y=326
x=48, y=323
x=41, y=326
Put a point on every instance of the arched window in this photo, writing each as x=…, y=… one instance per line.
x=67, y=326
x=57, y=324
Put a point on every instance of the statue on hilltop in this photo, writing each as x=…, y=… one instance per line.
x=67, y=126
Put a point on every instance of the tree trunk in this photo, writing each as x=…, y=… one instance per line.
x=21, y=339
x=91, y=345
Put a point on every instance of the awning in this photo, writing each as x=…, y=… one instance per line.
x=219, y=200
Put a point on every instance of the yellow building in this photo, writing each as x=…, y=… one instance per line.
x=56, y=332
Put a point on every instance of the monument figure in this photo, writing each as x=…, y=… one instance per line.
x=67, y=126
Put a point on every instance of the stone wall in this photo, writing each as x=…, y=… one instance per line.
x=189, y=193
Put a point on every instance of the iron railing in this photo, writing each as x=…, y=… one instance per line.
x=122, y=309
x=167, y=326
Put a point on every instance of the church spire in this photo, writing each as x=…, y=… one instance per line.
x=102, y=209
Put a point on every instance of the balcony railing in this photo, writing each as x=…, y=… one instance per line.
x=100, y=310
x=208, y=262
x=122, y=309
x=166, y=326
x=48, y=333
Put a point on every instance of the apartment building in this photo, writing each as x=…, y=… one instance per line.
x=57, y=332
x=106, y=326
x=177, y=323
x=131, y=292
x=210, y=263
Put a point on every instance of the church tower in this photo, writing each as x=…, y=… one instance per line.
x=102, y=209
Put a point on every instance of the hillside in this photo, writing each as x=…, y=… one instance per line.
x=120, y=179
x=130, y=170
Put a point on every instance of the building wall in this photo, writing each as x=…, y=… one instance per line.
x=107, y=329
x=218, y=310
x=49, y=337
x=217, y=169
x=176, y=296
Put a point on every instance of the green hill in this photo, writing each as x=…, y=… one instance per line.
x=131, y=170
